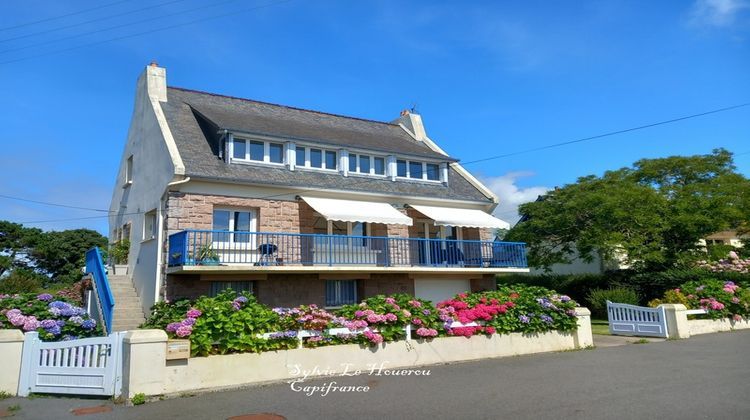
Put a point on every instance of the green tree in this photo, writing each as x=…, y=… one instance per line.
x=62, y=254
x=15, y=243
x=652, y=214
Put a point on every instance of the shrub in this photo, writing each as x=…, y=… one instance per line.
x=223, y=324
x=389, y=315
x=21, y=281
x=597, y=299
x=576, y=286
x=515, y=308
x=229, y=323
x=119, y=251
x=53, y=318
x=721, y=299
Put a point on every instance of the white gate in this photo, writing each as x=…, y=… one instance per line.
x=627, y=319
x=88, y=366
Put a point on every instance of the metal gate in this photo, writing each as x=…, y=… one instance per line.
x=88, y=366
x=627, y=319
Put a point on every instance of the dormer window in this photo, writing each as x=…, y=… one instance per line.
x=316, y=158
x=257, y=151
x=417, y=170
x=366, y=164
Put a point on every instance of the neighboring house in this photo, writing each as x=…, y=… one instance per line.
x=296, y=206
x=725, y=237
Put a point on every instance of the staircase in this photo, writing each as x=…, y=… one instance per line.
x=128, y=313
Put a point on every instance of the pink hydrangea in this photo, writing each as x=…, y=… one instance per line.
x=193, y=313
x=31, y=323
x=184, y=331
x=391, y=317
x=372, y=337
x=390, y=300
x=415, y=303
x=427, y=332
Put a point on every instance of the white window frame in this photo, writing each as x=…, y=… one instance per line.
x=323, y=150
x=231, y=231
x=357, y=170
x=150, y=234
x=266, y=151
x=424, y=170
x=129, y=171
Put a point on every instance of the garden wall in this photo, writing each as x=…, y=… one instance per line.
x=147, y=371
x=678, y=325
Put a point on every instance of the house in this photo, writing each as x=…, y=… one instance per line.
x=295, y=206
x=726, y=237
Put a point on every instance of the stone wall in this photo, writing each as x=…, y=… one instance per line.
x=195, y=211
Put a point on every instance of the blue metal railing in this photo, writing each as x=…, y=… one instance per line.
x=213, y=247
x=95, y=266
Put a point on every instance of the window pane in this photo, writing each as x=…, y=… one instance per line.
x=352, y=163
x=433, y=172
x=316, y=158
x=364, y=164
x=400, y=168
x=379, y=166
x=300, y=156
x=341, y=292
x=242, y=224
x=256, y=150
x=415, y=170
x=330, y=159
x=236, y=286
x=239, y=149
x=276, y=152
x=221, y=222
x=359, y=229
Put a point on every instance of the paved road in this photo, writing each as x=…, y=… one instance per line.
x=704, y=377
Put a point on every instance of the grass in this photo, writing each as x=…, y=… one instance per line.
x=5, y=395
x=600, y=326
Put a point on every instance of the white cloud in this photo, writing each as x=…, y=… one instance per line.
x=511, y=195
x=717, y=12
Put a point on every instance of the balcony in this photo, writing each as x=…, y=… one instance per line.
x=259, y=250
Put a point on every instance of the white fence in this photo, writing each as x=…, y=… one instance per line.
x=627, y=319
x=88, y=366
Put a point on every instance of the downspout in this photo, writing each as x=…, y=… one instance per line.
x=161, y=291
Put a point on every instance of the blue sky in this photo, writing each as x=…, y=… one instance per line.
x=488, y=78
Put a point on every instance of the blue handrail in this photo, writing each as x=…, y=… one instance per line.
x=212, y=247
x=95, y=266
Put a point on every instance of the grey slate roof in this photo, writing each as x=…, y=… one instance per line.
x=195, y=117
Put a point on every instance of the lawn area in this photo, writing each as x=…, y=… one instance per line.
x=600, y=326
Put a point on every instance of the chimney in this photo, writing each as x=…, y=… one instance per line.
x=413, y=122
x=154, y=79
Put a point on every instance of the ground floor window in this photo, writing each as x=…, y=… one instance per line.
x=341, y=292
x=237, y=286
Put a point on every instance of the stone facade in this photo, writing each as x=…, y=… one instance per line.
x=195, y=211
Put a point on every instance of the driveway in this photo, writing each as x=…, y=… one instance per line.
x=704, y=377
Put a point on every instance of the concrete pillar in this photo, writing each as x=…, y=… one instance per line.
x=144, y=354
x=583, y=336
x=11, y=349
x=677, y=323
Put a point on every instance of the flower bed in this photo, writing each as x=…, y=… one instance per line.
x=229, y=323
x=54, y=318
x=720, y=299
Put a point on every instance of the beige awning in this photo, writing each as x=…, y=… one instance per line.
x=357, y=211
x=449, y=216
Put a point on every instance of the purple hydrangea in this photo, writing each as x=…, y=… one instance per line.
x=46, y=297
x=48, y=323
x=54, y=330
x=88, y=324
x=173, y=326
x=546, y=318
x=524, y=319
x=76, y=320
x=193, y=313
x=241, y=299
